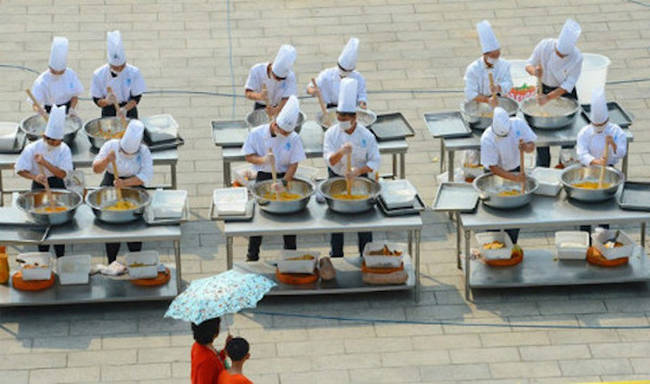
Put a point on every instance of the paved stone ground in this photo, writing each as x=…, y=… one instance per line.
x=405, y=44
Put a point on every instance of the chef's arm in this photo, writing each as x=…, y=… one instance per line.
x=557, y=92
x=336, y=157
x=252, y=95
x=282, y=103
x=132, y=181
x=482, y=99
x=255, y=159
x=291, y=171
x=503, y=173
x=530, y=69
x=364, y=170
x=73, y=102
x=56, y=171
x=99, y=165
x=529, y=147
x=133, y=102
x=27, y=175
x=311, y=90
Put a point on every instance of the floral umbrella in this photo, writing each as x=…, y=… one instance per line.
x=215, y=296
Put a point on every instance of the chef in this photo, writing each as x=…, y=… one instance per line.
x=501, y=144
x=273, y=82
x=134, y=165
x=559, y=63
x=47, y=161
x=349, y=137
x=59, y=85
x=275, y=143
x=329, y=80
x=124, y=80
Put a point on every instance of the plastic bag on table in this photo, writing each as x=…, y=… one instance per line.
x=471, y=164
x=75, y=181
x=243, y=175
x=459, y=177
x=568, y=157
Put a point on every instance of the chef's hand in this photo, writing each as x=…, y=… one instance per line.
x=119, y=183
x=122, y=112
x=269, y=158
x=494, y=102
x=41, y=179
x=72, y=112
x=278, y=187
x=610, y=140
x=352, y=173
x=263, y=95
x=346, y=148
x=538, y=71
x=520, y=177
x=363, y=105
x=111, y=98
x=600, y=162
x=110, y=157
x=495, y=88
x=39, y=159
x=522, y=145
x=542, y=99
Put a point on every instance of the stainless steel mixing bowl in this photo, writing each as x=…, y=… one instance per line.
x=479, y=115
x=34, y=127
x=578, y=173
x=490, y=185
x=100, y=199
x=360, y=186
x=558, y=113
x=259, y=117
x=32, y=200
x=99, y=130
x=299, y=186
x=365, y=117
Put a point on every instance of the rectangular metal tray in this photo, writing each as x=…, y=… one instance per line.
x=447, y=125
x=19, y=143
x=457, y=197
x=634, y=195
x=417, y=207
x=391, y=126
x=165, y=145
x=617, y=114
x=232, y=133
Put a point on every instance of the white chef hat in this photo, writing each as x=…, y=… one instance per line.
x=56, y=123
x=284, y=61
x=486, y=36
x=348, y=57
x=59, y=54
x=115, y=51
x=288, y=116
x=132, y=138
x=500, y=122
x=347, y=96
x=568, y=37
x=599, y=113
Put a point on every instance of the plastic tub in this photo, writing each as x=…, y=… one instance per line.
x=41, y=272
x=495, y=254
x=593, y=75
x=571, y=245
x=149, y=261
x=378, y=261
x=73, y=269
x=230, y=201
x=548, y=180
x=297, y=266
x=521, y=78
x=601, y=237
x=398, y=193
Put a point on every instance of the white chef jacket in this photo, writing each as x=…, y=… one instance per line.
x=286, y=149
x=49, y=89
x=128, y=83
x=591, y=145
x=365, y=150
x=140, y=166
x=277, y=90
x=504, y=151
x=329, y=83
x=557, y=72
x=477, y=80
x=60, y=157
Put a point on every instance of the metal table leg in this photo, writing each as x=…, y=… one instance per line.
x=229, y=252
x=458, y=235
x=174, y=181
x=416, y=233
x=450, y=166
x=394, y=165
x=402, y=165
x=177, y=259
x=410, y=242
x=643, y=235
x=442, y=155
x=626, y=160
x=226, y=174
x=467, y=262
x=2, y=194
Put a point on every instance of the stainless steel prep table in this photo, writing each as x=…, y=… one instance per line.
x=85, y=229
x=394, y=148
x=545, y=138
x=318, y=219
x=82, y=157
x=539, y=267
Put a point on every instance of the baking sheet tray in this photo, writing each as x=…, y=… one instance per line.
x=634, y=196
x=417, y=207
x=19, y=143
x=232, y=133
x=392, y=126
x=165, y=145
x=617, y=114
x=459, y=197
x=26, y=234
x=15, y=216
x=447, y=125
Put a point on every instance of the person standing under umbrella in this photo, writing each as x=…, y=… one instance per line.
x=125, y=81
x=272, y=82
x=348, y=137
x=207, y=362
x=328, y=81
x=558, y=62
x=135, y=168
x=275, y=143
x=47, y=161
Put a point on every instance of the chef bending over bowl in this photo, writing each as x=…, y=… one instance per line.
x=349, y=137
x=134, y=166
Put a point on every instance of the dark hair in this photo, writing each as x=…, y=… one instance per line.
x=346, y=114
x=206, y=332
x=237, y=348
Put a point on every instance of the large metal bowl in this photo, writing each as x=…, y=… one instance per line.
x=556, y=114
x=490, y=185
x=34, y=127
x=259, y=117
x=99, y=130
x=360, y=186
x=101, y=198
x=300, y=186
x=479, y=115
x=365, y=117
x=578, y=173
x=28, y=201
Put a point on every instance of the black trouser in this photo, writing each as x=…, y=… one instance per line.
x=112, y=249
x=109, y=111
x=48, y=108
x=258, y=106
x=336, y=241
x=254, y=242
x=513, y=233
x=55, y=182
x=544, y=153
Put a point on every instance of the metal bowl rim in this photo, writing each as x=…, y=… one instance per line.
x=58, y=190
x=334, y=179
x=529, y=191
x=253, y=189
x=138, y=190
x=526, y=101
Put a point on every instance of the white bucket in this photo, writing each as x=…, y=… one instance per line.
x=520, y=78
x=594, y=75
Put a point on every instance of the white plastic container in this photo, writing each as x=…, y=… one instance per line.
x=548, y=180
x=230, y=201
x=593, y=75
x=149, y=269
x=599, y=238
x=297, y=266
x=571, y=245
x=73, y=269
x=168, y=204
x=307, y=172
x=495, y=254
x=161, y=127
x=41, y=266
x=398, y=193
x=378, y=261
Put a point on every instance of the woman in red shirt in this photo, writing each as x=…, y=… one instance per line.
x=207, y=363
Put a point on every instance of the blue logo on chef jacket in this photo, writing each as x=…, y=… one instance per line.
x=518, y=133
x=364, y=143
x=287, y=146
x=71, y=85
x=128, y=81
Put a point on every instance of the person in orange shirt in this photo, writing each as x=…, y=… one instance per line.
x=207, y=362
x=237, y=349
